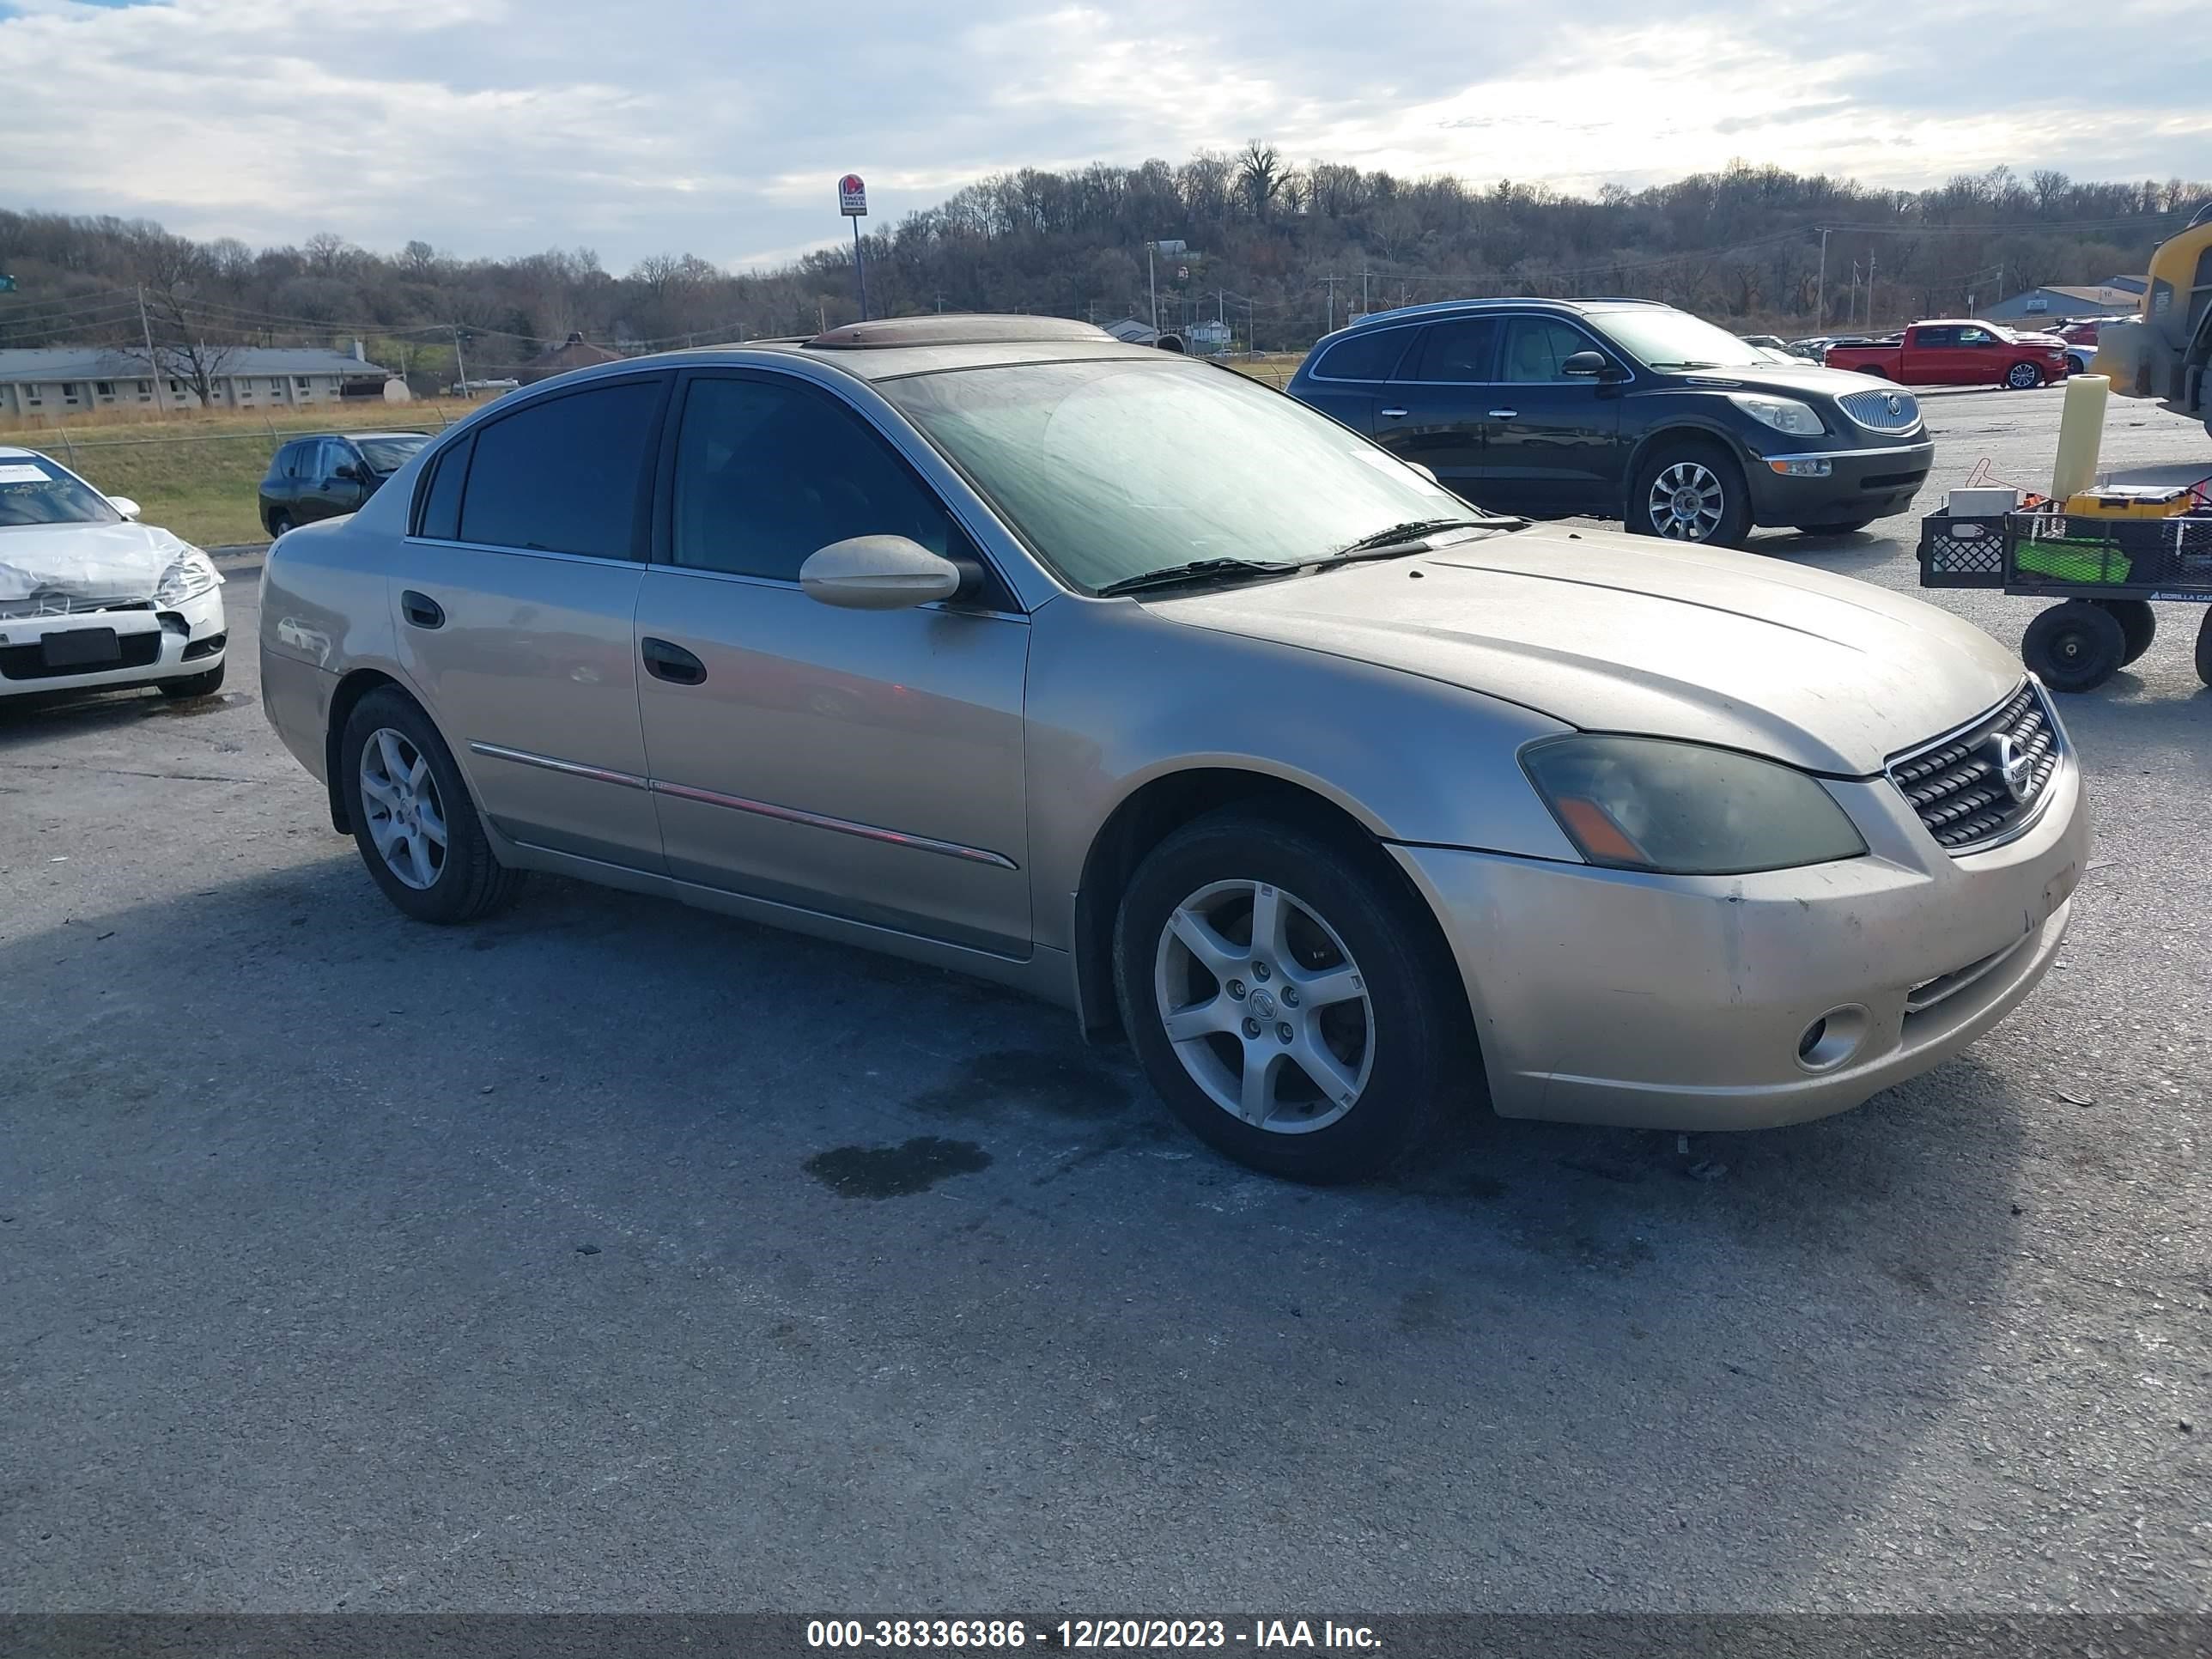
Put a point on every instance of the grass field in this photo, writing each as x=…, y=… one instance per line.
x=200, y=475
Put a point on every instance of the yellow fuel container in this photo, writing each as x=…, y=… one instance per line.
x=2130, y=501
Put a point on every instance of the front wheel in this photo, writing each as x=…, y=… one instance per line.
x=1285, y=997
x=1690, y=492
x=2021, y=377
x=2075, y=647
x=412, y=816
x=1840, y=527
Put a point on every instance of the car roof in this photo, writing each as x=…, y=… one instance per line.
x=397, y=432
x=1497, y=302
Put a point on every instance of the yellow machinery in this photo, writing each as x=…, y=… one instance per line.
x=2165, y=351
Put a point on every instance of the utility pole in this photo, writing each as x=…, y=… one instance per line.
x=153, y=363
x=460, y=368
x=1869, y=288
x=1152, y=283
x=1331, y=280
x=1362, y=291
x=1820, y=288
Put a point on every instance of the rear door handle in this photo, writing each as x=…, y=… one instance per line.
x=1503, y=414
x=671, y=663
x=1394, y=413
x=420, y=610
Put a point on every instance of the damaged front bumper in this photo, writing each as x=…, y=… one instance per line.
x=92, y=646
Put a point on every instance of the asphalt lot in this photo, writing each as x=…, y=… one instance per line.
x=614, y=1255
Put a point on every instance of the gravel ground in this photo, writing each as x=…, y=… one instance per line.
x=615, y=1256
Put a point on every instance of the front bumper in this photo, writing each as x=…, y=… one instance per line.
x=1604, y=996
x=157, y=645
x=1869, y=482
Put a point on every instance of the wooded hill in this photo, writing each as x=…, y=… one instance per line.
x=1272, y=248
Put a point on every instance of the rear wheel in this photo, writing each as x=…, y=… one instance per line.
x=2075, y=647
x=412, y=816
x=1690, y=492
x=1840, y=527
x=2138, y=625
x=1285, y=997
x=193, y=685
x=2023, y=376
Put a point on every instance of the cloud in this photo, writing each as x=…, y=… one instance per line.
x=503, y=126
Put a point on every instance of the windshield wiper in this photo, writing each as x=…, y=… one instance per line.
x=1196, y=570
x=1408, y=537
x=1688, y=362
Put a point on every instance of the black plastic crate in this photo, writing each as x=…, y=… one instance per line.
x=1962, y=552
x=2051, y=552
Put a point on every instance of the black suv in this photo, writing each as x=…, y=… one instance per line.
x=1621, y=409
x=331, y=473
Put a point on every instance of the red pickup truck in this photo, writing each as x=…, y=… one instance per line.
x=1957, y=352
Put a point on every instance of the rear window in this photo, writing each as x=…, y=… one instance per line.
x=565, y=476
x=1364, y=357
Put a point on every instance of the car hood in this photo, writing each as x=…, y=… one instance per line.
x=1614, y=633
x=1788, y=379
x=85, y=561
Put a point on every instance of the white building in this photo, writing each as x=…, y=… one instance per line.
x=57, y=382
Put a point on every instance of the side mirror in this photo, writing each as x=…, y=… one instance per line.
x=878, y=572
x=347, y=471
x=124, y=505
x=1586, y=366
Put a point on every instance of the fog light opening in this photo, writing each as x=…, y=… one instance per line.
x=1832, y=1040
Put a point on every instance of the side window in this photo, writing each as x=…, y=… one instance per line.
x=566, y=475
x=1364, y=357
x=1976, y=337
x=334, y=455
x=767, y=473
x=1463, y=350
x=440, y=515
x=289, y=460
x=1536, y=346
x=1936, y=336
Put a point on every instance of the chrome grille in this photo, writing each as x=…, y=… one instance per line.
x=1985, y=784
x=1882, y=412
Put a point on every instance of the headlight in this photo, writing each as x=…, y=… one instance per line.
x=192, y=575
x=1684, y=809
x=1783, y=414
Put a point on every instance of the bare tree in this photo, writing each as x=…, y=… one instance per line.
x=178, y=343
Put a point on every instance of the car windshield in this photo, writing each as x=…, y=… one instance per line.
x=1117, y=468
x=34, y=490
x=390, y=454
x=1674, y=339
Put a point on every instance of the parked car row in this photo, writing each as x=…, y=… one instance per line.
x=984, y=642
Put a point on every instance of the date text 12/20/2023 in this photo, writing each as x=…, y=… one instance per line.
x=1086, y=1635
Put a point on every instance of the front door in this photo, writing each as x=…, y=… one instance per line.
x=1551, y=444
x=865, y=764
x=512, y=606
x=1432, y=414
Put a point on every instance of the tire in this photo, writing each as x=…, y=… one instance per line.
x=1699, y=467
x=279, y=522
x=2075, y=647
x=1841, y=527
x=1389, y=1042
x=2023, y=377
x=2138, y=625
x=2204, y=649
x=459, y=882
x=192, y=685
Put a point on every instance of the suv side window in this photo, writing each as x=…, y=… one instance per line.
x=1461, y=350
x=566, y=475
x=298, y=460
x=1364, y=357
x=1536, y=346
x=336, y=452
x=769, y=472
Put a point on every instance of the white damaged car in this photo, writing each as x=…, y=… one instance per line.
x=91, y=599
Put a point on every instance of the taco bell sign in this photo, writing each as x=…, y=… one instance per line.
x=853, y=197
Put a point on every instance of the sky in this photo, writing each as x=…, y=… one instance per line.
x=633, y=127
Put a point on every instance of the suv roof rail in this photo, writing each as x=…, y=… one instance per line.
x=957, y=328
x=1429, y=307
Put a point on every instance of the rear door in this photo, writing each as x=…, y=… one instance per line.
x=1929, y=356
x=1551, y=444
x=865, y=764
x=513, y=603
x=1347, y=379
x=1434, y=412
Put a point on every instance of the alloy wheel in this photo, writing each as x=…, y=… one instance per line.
x=405, y=815
x=2022, y=376
x=1687, y=501
x=1265, y=1006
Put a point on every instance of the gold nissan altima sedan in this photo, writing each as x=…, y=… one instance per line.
x=1112, y=675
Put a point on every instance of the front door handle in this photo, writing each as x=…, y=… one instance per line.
x=1505, y=414
x=1394, y=413
x=420, y=610
x=671, y=663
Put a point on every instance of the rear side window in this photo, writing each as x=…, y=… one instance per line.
x=291, y=460
x=1364, y=356
x=440, y=517
x=1936, y=336
x=565, y=476
x=1461, y=350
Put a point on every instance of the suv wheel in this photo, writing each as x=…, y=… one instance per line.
x=1690, y=492
x=412, y=816
x=1278, y=990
